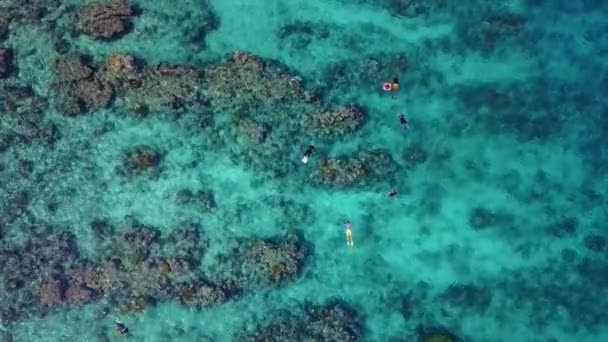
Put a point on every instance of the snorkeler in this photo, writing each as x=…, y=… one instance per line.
x=392, y=193
x=349, y=234
x=121, y=329
x=394, y=88
x=403, y=121
x=309, y=150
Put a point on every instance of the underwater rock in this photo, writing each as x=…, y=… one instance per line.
x=122, y=72
x=414, y=155
x=486, y=34
x=140, y=159
x=207, y=23
x=333, y=321
x=203, y=199
x=407, y=306
x=48, y=134
x=467, y=296
x=336, y=123
x=104, y=20
x=435, y=334
x=25, y=167
x=596, y=243
x=72, y=68
x=199, y=294
x=366, y=167
x=6, y=63
x=5, y=21
x=482, y=218
x=52, y=292
x=62, y=46
x=251, y=264
x=566, y=227
x=301, y=33
x=79, y=295
x=139, y=243
x=6, y=141
x=184, y=243
x=252, y=131
x=91, y=94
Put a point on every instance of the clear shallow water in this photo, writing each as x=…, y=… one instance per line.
x=504, y=99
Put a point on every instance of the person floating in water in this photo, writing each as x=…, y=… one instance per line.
x=403, y=121
x=394, y=87
x=392, y=193
x=309, y=150
x=121, y=329
x=349, y=234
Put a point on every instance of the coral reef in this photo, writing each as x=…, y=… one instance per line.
x=122, y=71
x=46, y=253
x=104, y=20
x=252, y=131
x=81, y=88
x=135, y=268
x=332, y=321
x=6, y=63
x=363, y=168
x=260, y=263
x=140, y=159
x=164, y=88
x=335, y=123
x=246, y=83
x=24, y=117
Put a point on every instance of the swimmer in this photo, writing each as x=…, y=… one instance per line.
x=403, y=121
x=392, y=193
x=309, y=150
x=349, y=234
x=395, y=87
x=121, y=329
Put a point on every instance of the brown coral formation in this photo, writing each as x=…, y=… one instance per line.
x=333, y=321
x=140, y=159
x=104, y=20
x=82, y=89
x=244, y=80
x=259, y=263
x=166, y=88
x=364, y=168
x=338, y=122
x=122, y=71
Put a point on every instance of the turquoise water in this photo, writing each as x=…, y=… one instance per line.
x=497, y=232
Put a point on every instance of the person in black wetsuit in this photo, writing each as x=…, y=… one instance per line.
x=121, y=329
x=309, y=150
x=403, y=121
